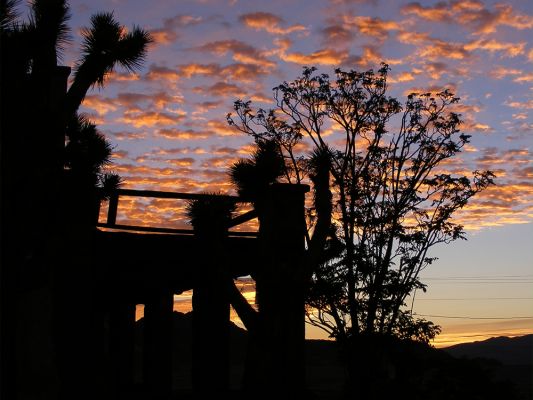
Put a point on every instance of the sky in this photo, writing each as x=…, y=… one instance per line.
x=168, y=126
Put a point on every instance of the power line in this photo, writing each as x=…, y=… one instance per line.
x=478, y=298
x=477, y=279
x=483, y=282
x=481, y=279
x=485, y=334
x=464, y=317
x=480, y=276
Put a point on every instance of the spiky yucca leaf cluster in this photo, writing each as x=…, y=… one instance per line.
x=214, y=211
x=252, y=176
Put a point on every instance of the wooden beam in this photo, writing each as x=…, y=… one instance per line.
x=240, y=219
x=171, y=195
x=164, y=230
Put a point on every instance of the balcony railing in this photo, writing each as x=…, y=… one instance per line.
x=111, y=221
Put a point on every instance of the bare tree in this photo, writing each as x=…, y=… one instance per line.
x=390, y=199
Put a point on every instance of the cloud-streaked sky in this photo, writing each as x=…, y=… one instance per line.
x=168, y=120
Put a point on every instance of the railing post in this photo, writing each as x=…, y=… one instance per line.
x=112, y=211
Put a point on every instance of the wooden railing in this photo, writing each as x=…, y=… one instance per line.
x=111, y=222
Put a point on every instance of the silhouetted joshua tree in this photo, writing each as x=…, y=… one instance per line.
x=210, y=217
x=87, y=154
x=30, y=54
x=106, y=44
x=253, y=179
x=48, y=196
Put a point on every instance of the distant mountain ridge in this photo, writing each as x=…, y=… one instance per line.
x=508, y=351
x=438, y=374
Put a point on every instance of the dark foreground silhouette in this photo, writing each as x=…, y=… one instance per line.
x=413, y=370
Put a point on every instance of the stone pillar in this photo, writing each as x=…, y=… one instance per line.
x=281, y=291
x=157, y=356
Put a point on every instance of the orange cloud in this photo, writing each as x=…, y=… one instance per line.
x=160, y=73
x=524, y=78
x=123, y=135
x=282, y=45
x=525, y=105
x=168, y=33
x=511, y=200
x=132, y=100
x=471, y=14
x=138, y=101
x=462, y=108
x=176, y=162
x=223, y=150
x=413, y=38
x=182, y=162
x=501, y=72
x=175, y=184
x=439, y=49
x=374, y=27
x=322, y=57
x=492, y=46
x=221, y=89
x=160, y=154
x=135, y=103
x=101, y=105
x=205, y=106
x=263, y=21
x=246, y=149
x=242, y=52
x=150, y=119
x=222, y=128
x=180, y=134
x=469, y=125
x=161, y=36
x=131, y=169
x=401, y=77
x=121, y=77
x=347, y=2
x=437, y=69
x=245, y=72
x=433, y=49
x=120, y=155
x=371, y=55
x=441, y=12
x=520, y=116
x=219, y=162
x=493, y=155
x=505, y=15
x=261, y=98
x=188, y=70
x=336, y=35
x=237, y=71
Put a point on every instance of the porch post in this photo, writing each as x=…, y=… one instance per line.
x=281, y=290
x=158, y=343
